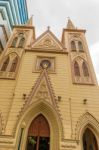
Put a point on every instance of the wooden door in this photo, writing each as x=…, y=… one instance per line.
x=38, y=134
x=89, y=140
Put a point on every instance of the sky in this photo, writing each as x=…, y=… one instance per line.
x=55, y=13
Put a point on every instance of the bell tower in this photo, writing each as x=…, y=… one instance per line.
x=82, y=71
x=21, y=39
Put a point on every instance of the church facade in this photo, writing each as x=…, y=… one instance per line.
x=49, y=95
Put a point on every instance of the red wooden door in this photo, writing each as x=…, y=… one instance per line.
x=38, y=134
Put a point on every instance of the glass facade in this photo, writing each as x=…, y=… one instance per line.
x=15, y=10
x=22, y=10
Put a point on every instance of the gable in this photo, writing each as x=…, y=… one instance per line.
x=47, y=41
x=41, y=91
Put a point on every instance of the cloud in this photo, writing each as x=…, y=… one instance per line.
x=84, y=14
x=94, y=50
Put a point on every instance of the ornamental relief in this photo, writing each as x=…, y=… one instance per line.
x=42, y=93
x=47, y=43
x=75, y=36
x=22, y=31
x=86, y=120
x=47, y=63
x=74, y=55
x=14, y=50
x=19, y=33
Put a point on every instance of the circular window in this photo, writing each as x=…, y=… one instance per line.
x=45, y=64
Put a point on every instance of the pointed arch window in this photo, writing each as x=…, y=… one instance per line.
x=5, y=64
x=1, y=47
x=73, y=46
x=21, y=42
x=85, y=69
x=89, y=143
x=0, y=124
x=14, y=64
x=80, y=46
x=14, y=42
x=76, y=69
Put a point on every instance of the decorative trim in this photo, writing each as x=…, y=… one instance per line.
x=34, y=89
x=53, y=118
x=61, y=47
x=84, y=120
x=6, y=74
x=48, y=51
x=39, y=60
x=1, y=124
x=26, y=27
x=81, y=79
x=75, y=30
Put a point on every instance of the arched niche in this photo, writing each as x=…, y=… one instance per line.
x=86, y=121
x=52, y=117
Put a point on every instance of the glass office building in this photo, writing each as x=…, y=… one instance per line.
x=12, y=12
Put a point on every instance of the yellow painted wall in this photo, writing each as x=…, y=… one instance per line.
x=71, y=106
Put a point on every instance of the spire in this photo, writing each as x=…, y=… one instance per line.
x=48, y=28
x=70, y=25
x=30, y=21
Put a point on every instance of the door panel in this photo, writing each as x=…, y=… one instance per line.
x=89, y=140
x=38, y=134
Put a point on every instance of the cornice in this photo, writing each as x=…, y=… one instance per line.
x=74, y=30
x=23, y=26
x=71, y=30
x=46, y=51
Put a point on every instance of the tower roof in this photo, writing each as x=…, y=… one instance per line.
x=70, y=24
x=30, y=21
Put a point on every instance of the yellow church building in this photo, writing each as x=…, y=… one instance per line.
x=49, y=95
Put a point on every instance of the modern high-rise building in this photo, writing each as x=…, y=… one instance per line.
x=49, y=95
x=12, y=12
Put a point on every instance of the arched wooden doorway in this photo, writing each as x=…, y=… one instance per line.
x=89, y=140
x=39, y=134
